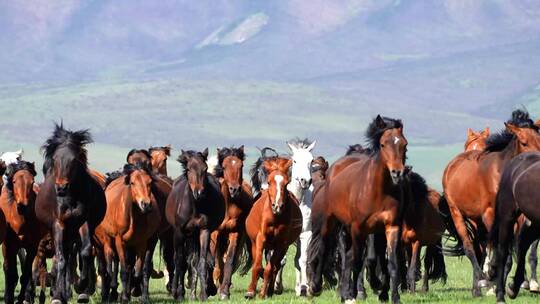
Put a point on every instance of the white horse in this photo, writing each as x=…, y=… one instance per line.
x=300, y=186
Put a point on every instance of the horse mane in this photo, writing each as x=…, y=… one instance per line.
x=499, y=141
x=3, y=167
x=319, y=164
x=166, y=149
x=224, y=153
x=418, y=186
x=376, y=129
x=143, y=151
x=16, y=167
x=257, y=172
x=356, y=149
x=185, y=155
x=111, y=176
x=74, y=140
x=127, y=170
x=300, y=143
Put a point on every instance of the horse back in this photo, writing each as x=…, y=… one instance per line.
x=520, y=180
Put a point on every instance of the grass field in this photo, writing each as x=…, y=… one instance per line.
x=456, y=290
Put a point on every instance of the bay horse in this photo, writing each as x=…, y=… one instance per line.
x=195, y=208
x=476, y=140
x=71, y=203
x=230, y=236
x=423, y=227
x=138, y=155
x=273, y=224
x=301, y=187
x=365, y=197
x=473, y=212
x=518, y=194
x=23, y=229
x=132, y=219
x=319, y=167
x=159, y=156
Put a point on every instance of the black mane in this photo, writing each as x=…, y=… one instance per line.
x=74, y=140
x=356, y=149
x=500, y=140
x=376, y=129
x=257, y=172
x=142, y=151
x=224, y=153
x=418, y=186
x=186, y=155
x=16, y=167
x=127, y=170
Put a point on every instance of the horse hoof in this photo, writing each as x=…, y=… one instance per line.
x=490, y=291
x=157, y=274
x=533, y=286
x=83, y=298
x=362, y=295
x=525, y=285
x=224, y=297
x=483, y=284
x=56, y=301
x=249, y=295
x=511, y=293
x=26, y=302
x=350, y=301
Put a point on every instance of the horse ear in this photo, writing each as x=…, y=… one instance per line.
x=205, y=153
x=20, y=152
x=127, y=179
x=537, y=123
x=470, y=132
x=486, y=130
x=182, y=157
x=241, y=148
x=379, y=121
x=33, y=167
x=312, y=146
x=168, y=149
x=291, y=147
x=512, y=129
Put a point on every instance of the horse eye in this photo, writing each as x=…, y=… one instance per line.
x=382, y=145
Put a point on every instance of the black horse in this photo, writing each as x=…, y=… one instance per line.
x=518, y=194
x=195, y=208
x=71, y=203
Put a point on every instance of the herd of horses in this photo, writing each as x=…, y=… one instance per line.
x=364, y=218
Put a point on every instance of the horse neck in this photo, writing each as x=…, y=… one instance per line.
x=296, y=190
x=163, y=169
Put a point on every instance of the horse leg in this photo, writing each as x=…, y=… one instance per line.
x=177, y=285
x=86, y=257
x=229, y=264
x=297, y=268
x=166, y=241
x=10, y=269
x=358, y=248
x=145, y=254
x=346, y=267
x=526, y=237
x=204, y=240
x=257, y=248
x=392, y=238
x=61, y=255
x=305, y=238
x=276, y=264
x=411, y=270
x=27, y=292
x=533, y=263
x=104, y=274
x=469, y=249
x=125, y=269
x=37, y=274
x=318, y=253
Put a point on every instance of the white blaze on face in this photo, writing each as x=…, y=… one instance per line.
x=396, y=140
x=233, y=162
x=279, y=179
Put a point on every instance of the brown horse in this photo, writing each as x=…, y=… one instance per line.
x=23, y=229
x=71, y=203
x=230, y=236
x=473, y=212
x=273, y=224
x=138, y=156
x=131, y=220
x=365, y=196
x=319, y=167
x=159, y=157
x=195, y=209
x=423, y=227
x=518, y=194
x=476, y=140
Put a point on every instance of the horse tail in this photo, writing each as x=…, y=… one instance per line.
x=245, y=260
x=452, y=234
x=434, y=263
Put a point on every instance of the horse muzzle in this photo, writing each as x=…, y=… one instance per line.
x=234, y=191
x=198, y=194
x=62, y=190
x=276, y=208
x=21, y=208
x=304, y=183
x=145, y=207
x=397, y=176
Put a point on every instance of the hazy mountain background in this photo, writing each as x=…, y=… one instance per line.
x=213, y=73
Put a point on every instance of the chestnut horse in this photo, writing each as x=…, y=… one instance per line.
x=71, y=203
x=23, y=229
x=476, y=140
x=131, y=221
x=273, y=224
x=518, y=194
x=364, y=196
x=159, y=156
x=230, y=236
x=423, y=227
x=195, y=209
x=473, y=212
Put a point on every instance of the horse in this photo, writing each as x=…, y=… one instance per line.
x=273, y=224
x=138, y=155
x=159, y=157
x=301, y=187
x=71, y=203
x=319, y=166
x=23, y=229
x=131, y=221
x=230, y=236
x=476, y=140
x=195, y=208
x=517, y=194
x=423, y=227
x=473, y=212
x=364, y=196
